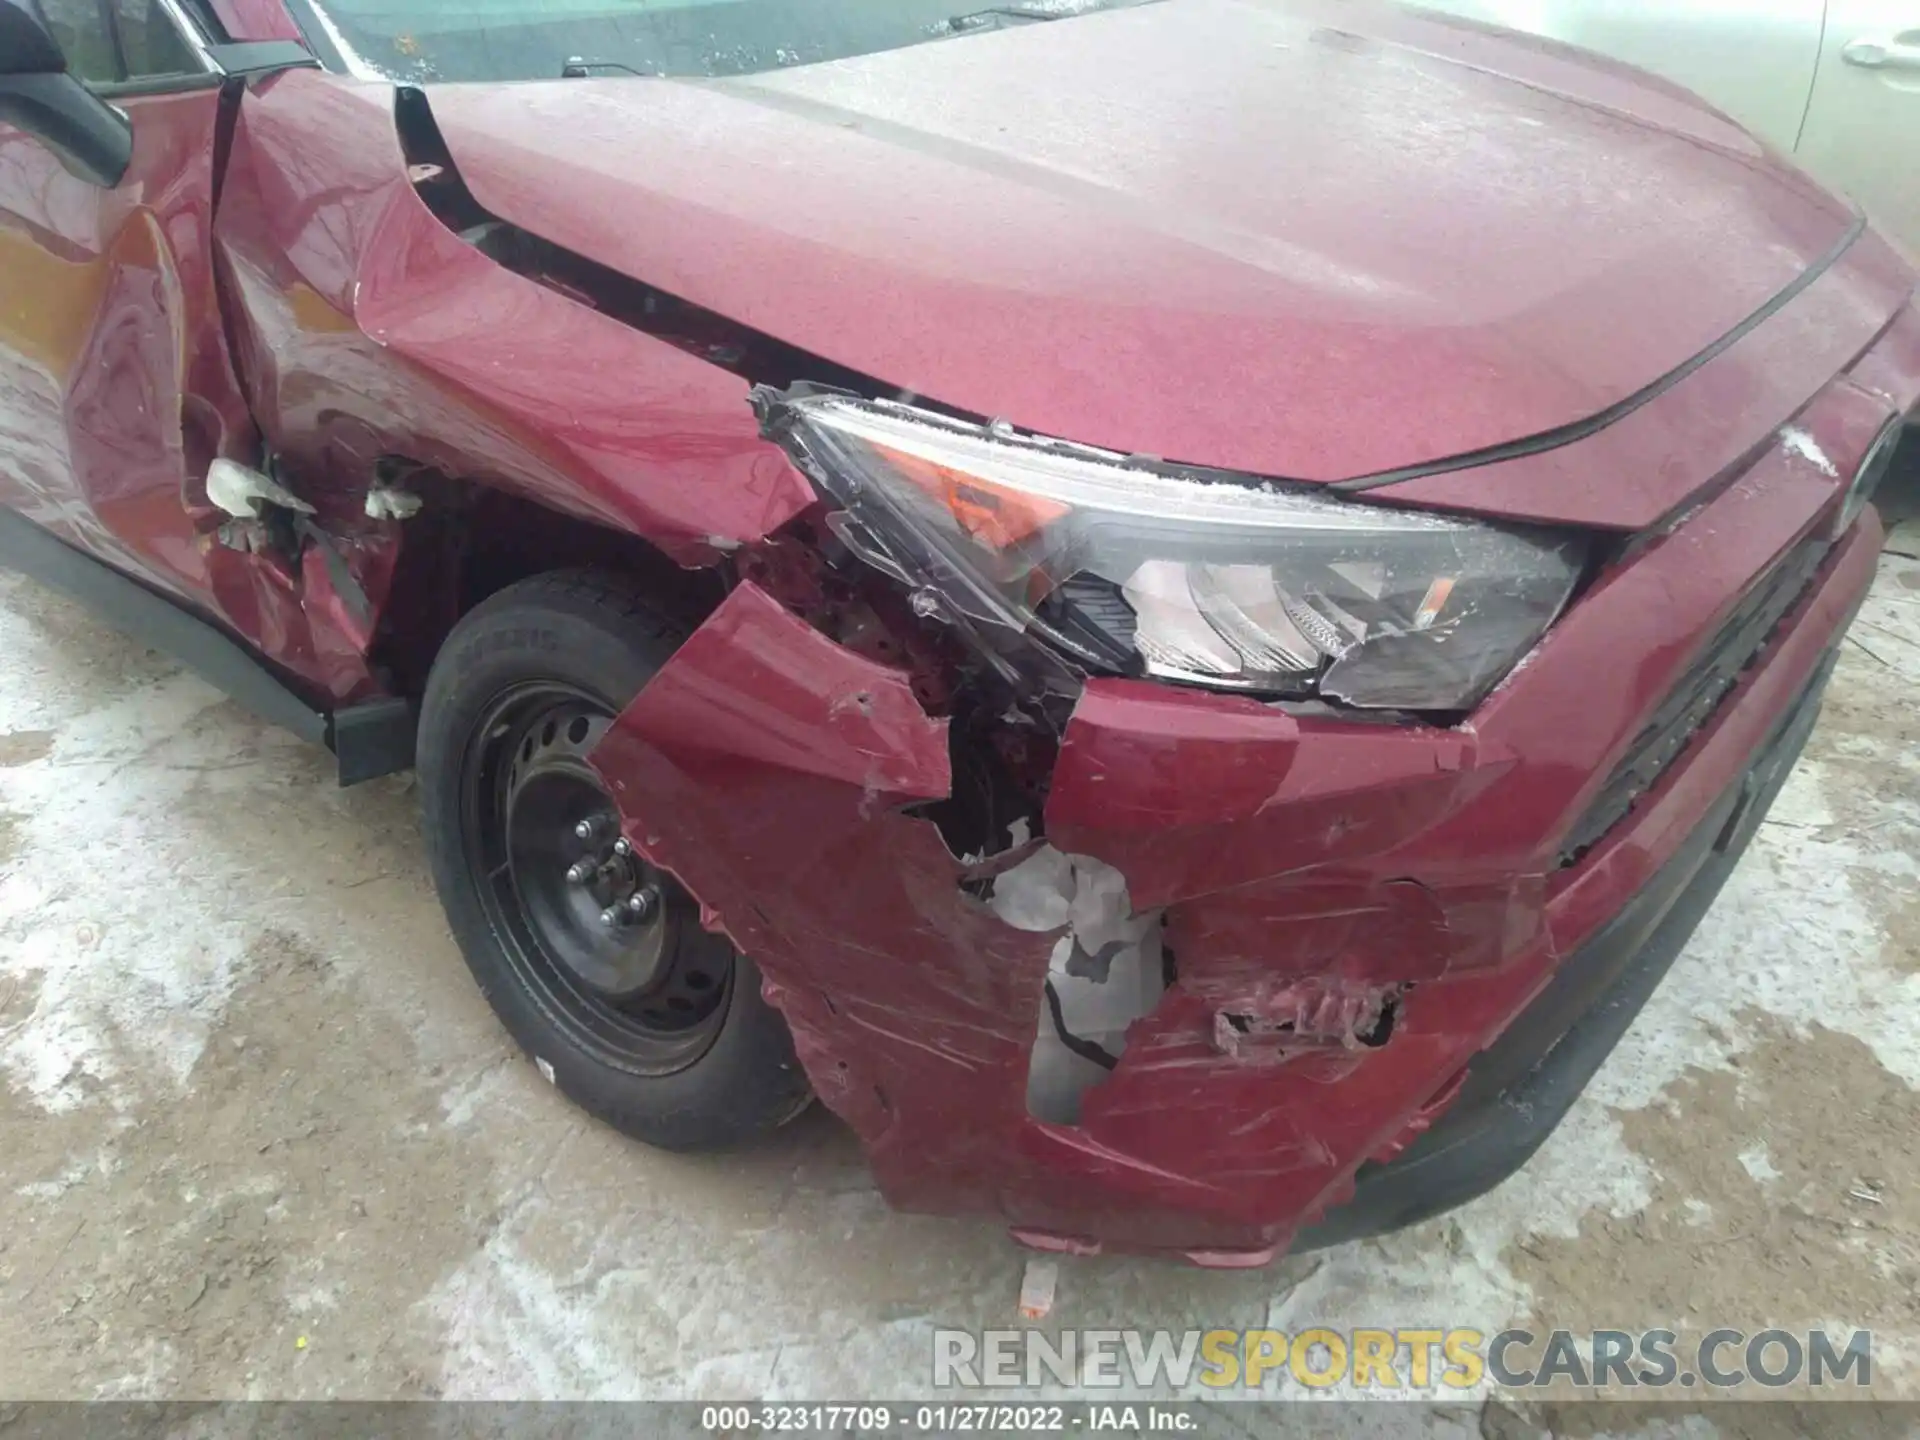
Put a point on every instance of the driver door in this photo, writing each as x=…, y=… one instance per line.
x=116, y=391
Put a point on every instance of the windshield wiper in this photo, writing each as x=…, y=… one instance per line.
x=1013, y=12
x=1046, y=10
x=579, y=69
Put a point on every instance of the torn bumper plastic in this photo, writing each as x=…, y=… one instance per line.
x=1517, y=1091
x=1353, y=912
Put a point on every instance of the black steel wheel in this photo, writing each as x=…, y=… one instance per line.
x=584, y=919
x=593, y=958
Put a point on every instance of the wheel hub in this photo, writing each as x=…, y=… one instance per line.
x=593, y=901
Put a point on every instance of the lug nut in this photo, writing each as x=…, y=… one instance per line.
x=640, y=904
x=622, y=848
x=580, y=872
x=587, y=828
x=612, y=916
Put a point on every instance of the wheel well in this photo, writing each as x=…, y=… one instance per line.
x=472, y=541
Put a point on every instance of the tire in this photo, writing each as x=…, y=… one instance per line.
x=651, y=1024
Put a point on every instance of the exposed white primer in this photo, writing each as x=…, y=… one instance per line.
x=1800, y=443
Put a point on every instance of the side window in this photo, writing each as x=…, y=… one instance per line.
x=118, y=42
x=81, y=28
x=151, y=41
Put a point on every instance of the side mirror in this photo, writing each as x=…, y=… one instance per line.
x=37, y=95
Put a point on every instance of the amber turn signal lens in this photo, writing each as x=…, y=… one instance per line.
x=994, y=515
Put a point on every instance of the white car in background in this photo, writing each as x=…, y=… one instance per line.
x=1834, y=83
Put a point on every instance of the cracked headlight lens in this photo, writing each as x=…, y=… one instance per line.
x=1230, y=583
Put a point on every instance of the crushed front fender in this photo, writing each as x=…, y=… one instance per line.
x=768, y=768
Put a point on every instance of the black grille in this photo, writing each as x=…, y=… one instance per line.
x=1714, y=672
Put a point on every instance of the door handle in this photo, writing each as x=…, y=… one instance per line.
x=1882, y=53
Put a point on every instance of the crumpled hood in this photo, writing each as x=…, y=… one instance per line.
x=1315, y=241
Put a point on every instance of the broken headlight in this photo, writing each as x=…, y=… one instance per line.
x=1236, y=584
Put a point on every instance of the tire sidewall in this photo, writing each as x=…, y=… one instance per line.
x=748, y=1079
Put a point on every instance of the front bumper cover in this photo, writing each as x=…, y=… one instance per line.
x=1522, y=1086
x=1301, y=865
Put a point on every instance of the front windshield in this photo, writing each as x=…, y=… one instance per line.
x=424, y=40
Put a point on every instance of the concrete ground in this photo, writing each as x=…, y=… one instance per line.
x=261, y=1137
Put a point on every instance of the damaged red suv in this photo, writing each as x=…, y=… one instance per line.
x=1175, y=607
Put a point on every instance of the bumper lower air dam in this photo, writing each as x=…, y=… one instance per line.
x=771, y=770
